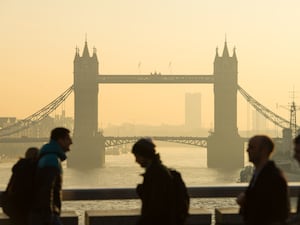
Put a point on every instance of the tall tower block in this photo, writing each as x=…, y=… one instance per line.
x=224, y=146
x=88, y=148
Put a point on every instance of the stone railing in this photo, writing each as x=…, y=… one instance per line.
x=226, y=215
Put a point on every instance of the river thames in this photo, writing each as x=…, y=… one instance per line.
x=121, y=171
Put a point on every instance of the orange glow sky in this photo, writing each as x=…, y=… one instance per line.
x=38, y=40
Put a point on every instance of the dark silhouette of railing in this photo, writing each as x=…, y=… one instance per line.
x=216, y=191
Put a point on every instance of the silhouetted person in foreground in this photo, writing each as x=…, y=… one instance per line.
x=266, y=200
x=19, y=190
x=156, y=191
x=48, y=181
x=295, y=220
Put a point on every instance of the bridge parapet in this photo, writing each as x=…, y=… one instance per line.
x=225, y=191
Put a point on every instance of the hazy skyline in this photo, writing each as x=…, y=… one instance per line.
x=39, y=38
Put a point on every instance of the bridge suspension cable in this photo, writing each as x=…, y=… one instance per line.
x=45, y=111
x=37, y=116
x=276, y=119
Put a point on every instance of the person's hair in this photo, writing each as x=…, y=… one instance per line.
x=297, y=139
x=58, y=133
x=32, y=153
x=144, y=147
x=266, y=142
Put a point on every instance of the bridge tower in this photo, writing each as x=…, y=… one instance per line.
x=224, y=145
x=88, y=148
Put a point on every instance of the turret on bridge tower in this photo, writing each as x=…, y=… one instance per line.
x=87, y=139
x=224, y=146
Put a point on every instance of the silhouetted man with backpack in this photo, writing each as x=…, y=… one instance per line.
x=48, y=180
x=161, y=191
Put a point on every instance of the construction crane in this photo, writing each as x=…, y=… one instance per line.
x=293, y=117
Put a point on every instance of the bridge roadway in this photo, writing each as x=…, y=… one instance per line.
x=155, y=79
x=111, y=141
x=195, y=141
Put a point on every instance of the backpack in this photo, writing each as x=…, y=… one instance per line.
x=17, y=197
x=182, y=198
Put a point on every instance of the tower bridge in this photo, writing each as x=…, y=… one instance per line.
x=225, y=81
x=223, y=145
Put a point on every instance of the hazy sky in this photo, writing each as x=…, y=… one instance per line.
x=39, y=37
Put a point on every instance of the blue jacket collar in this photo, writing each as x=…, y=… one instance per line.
x=53, y=148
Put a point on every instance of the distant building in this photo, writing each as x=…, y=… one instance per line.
x=6, y=121
x=41, y=128
x=193, y=110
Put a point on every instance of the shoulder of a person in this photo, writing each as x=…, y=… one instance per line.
x=20, y=164
x=49, y=160
x=274, y=174
x=158, y=170
x=269, y=168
